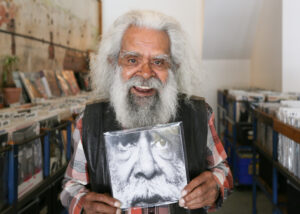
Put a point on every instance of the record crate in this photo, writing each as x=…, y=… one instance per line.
x=40, y=196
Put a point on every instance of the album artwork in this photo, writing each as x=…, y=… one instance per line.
x=147, y=165
x=83, y=80
x=52, y=82
x=63, y=84
x=71, y=80
x=28, y=81
x=18, y=83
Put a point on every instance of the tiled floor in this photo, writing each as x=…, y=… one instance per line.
x=240, y=202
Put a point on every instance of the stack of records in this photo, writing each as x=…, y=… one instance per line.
x=57, y=144
x=289, y=150
x=30, y=171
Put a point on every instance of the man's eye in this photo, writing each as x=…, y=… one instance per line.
x=132, y=61
x=158, y=62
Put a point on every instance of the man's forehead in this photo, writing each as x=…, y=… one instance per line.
x=144, y=40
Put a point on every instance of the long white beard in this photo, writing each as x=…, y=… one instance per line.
x=133, y=111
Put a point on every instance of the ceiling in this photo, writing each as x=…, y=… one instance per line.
x=229, y=28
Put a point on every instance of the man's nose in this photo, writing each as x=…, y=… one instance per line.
x=146, y=71
x=146, y=162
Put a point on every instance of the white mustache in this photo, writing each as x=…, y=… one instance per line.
x=141, y=82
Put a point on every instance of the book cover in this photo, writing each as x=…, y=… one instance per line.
x=147, y=165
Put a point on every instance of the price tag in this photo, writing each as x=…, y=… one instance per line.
x=31, y=115
x=5, y=123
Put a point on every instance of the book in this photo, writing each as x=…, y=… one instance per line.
x=147, y=166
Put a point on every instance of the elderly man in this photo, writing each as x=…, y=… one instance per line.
x=143, y=62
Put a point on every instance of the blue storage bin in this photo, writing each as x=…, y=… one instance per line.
x=245, y=168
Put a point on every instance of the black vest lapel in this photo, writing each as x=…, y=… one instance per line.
x=98, y=118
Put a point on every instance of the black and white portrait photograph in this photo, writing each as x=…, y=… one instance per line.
x=147, y=166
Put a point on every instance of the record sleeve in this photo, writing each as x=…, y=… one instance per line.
x=52, y=82
x=147, y=166
x=63, y=84
x=71, y=80
x=28, y=82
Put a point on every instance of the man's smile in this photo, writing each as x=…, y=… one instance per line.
x=143, y=91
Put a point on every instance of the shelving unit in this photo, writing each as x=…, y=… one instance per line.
x=227, y=130
x=45, y=194
x=278, y=127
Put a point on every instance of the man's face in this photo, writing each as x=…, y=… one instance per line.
x=144, y=88
x=147, y=168
x=144, y=53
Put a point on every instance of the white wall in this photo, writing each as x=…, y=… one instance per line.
x=222, y=74
x=266, y=63
x=291, y=46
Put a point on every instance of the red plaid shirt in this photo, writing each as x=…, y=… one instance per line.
x=76, y=176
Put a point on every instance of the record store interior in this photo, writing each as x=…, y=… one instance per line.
x=241, y=57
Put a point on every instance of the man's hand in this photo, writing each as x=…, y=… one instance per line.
x=201, y=191
x=100, y=203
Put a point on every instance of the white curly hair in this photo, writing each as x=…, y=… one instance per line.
x=104, y=65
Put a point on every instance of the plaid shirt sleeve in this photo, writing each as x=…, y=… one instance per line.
x=217, y=164
x=76, y=176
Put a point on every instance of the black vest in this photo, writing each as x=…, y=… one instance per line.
x=100, y=117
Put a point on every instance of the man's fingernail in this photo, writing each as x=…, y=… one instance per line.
x=117, y=204
x=185, y=207
x=183, y=193
x=181, y=202
x=118, y=211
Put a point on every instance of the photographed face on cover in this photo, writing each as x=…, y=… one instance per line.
x=147, y=168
